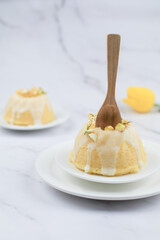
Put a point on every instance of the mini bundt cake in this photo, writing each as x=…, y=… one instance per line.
x=109, y=152
x=29, y=107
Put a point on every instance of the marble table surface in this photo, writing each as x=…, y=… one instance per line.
x=61, y=46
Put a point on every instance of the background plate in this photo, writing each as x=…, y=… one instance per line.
x=61, y=117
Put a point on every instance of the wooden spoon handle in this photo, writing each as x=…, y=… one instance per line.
x=113, y=46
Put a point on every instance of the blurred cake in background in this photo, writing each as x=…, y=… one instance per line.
x=29, y=107
x=109, y=152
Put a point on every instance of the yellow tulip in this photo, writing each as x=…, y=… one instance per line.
x=140, y=99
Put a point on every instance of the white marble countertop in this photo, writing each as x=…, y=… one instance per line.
x=61, y=46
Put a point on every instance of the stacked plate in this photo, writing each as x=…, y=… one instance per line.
x=55, y=169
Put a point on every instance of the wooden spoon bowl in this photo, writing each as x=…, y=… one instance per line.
x=109, y=115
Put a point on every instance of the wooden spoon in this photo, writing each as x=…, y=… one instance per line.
x=109, y=114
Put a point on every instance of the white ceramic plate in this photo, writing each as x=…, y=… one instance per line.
x=56, y=177
x=152, y=165
x=61, y=117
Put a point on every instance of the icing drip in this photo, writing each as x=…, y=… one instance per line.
x=35, y=105
x=90, y=148
x=107, y=146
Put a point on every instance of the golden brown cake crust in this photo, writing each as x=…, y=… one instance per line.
x=94, y=158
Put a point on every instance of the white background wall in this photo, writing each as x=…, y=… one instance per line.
x=61, y=46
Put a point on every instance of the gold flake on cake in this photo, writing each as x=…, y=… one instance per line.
x=109, y=128
x=92, y=118
x=124, y=121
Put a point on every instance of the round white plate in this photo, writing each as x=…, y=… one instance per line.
x=56, y=177
x=152, y=165
x=61, y=117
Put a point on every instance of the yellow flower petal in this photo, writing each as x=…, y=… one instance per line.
x=140, y=99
